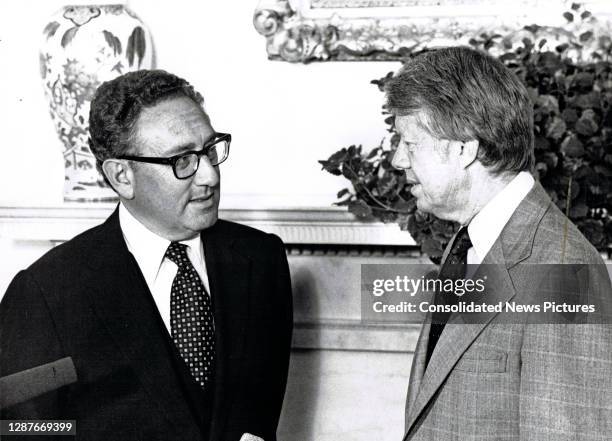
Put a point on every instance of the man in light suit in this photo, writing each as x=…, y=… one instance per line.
x=466, y=145
x=177, y=324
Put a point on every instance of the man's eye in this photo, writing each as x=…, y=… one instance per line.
x=183, y=162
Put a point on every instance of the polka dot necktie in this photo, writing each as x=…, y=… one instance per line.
x=454, y=268
x=191, y=319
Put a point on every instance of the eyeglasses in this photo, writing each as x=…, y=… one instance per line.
x=186, y=164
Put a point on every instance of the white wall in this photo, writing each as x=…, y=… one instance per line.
x=283, y=117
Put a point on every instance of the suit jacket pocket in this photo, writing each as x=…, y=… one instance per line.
x=485, y=360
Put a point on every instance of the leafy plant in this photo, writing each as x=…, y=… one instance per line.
x=568, y=73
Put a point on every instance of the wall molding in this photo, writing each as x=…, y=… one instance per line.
x=351, y=250
x=355, y=336
x=332, y=225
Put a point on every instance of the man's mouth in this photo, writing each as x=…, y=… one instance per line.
x=204, y=198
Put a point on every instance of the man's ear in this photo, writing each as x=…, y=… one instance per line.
x=121, y=177
x=467, y=151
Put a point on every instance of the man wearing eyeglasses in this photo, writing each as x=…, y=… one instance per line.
x=177, y=324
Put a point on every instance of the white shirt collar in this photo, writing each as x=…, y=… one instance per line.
x=487, y=225
x=148, y=248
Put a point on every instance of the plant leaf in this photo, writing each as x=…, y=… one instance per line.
x=603, y=170
x=570, y=116
x=533, y=28
x=579, y=211
x=432, y=248
x=360, y=209
x=584, y=80
x=586, y=126
x=572, y=147
x=342, y=193
x=556, y=128
x=331, y=167
x=588, y=101
x=562, y=47
x=541, y=43
x=405, y=206
x=387, y=184
x=586, y=36
x=548, y=102
x=373, y=153
x=541, y=143
x=550, y=159
x=507, y=57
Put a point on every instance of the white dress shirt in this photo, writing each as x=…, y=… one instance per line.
x=149, y=249
x=487, y=225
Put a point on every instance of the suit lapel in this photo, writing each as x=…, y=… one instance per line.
x=459, y=333
x=420, y=355
x=418, y=367
x=124, y=304
x=229, y=273
x=513, y=246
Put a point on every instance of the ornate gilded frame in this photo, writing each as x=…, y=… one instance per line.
x=302, y=31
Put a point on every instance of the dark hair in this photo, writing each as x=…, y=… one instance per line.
x=468, y=95
x=117, y=104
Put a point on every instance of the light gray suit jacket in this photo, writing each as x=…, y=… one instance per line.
x=490, y=378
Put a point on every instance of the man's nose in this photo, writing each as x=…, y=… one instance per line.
x=207, y=174
x=400, y=159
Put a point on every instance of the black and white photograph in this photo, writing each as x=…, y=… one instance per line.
x=306, y=220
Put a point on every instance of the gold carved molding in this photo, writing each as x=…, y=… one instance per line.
x=301, y=31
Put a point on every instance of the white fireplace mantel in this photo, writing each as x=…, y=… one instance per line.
x=332, y=225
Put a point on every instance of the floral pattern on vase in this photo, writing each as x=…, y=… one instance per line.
x=83, y=46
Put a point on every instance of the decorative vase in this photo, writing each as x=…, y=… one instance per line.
x=83, y=46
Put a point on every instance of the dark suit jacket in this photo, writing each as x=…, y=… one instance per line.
x=496, y=377
x=87, y=299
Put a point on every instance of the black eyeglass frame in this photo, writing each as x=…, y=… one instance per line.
x=172, y=160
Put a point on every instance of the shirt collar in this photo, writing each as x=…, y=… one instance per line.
x=194, y=248
x=487, y=225
x=148, y=248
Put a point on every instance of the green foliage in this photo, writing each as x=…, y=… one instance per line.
x=571, y=87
